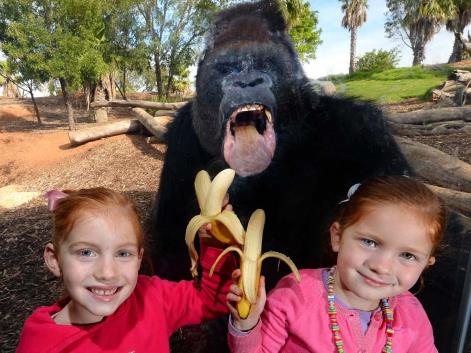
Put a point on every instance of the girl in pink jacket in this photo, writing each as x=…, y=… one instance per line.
x=385, y=235
x=97, y=248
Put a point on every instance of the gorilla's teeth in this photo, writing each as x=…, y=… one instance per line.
x=268, y=115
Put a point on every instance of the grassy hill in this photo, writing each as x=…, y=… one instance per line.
x=392, y=86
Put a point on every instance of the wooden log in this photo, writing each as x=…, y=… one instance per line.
x=455, y=199
x=431, y=115
x=138, y=103
x=440, y=128
x=436, y=166
x=165, y=113
x=78, y=137
x=156, y=125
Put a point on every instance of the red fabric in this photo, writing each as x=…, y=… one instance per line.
x=144, y=322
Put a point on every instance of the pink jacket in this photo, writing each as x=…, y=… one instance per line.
x=295, y=320
x=144, y=322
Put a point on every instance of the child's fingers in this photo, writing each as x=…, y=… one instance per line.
x=233, y=311
x=225, y=200
x=262, y=294
x=235, y=274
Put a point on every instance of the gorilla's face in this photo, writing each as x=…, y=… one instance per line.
x=238, y=87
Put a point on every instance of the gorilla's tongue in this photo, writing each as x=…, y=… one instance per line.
x=247, y=151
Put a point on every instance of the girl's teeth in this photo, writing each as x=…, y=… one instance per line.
x=98, y=291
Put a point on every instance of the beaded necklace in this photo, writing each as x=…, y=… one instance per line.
x=334, y=326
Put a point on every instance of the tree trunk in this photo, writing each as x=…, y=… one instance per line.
x=419, y=54
x=157, y=126
x=68, y=104
x=457, y=53
x=436, y=166
x=124, y=84
x=139, y=103
x=453, y=198
x=421, y=117
x=79, y=137
x=158, y=75
x=353, y=48
x=36, y=110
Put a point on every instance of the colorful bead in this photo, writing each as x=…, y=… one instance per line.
x=388, y=317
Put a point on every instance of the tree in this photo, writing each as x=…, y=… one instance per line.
x=292, y=11
x=405, y=21
x=124, y=51
x=355, y=15
x=174, y=31
x=305, y=34
x=63, y=36
x=378, y=60
x=456, y=14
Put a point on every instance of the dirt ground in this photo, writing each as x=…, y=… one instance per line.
x=38, y=158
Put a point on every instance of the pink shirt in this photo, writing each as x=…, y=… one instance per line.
x=295, y=320
x=144, y=322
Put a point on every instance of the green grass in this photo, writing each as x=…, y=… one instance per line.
x=391, y=86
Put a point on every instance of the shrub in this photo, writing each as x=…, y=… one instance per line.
x=378, y=60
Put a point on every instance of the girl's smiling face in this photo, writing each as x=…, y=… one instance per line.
x=99, y=263
x=381, y=255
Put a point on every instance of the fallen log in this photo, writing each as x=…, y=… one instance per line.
x=454, y=199
x=78, y=137
x=138, y=103
x=436, y=166
x=440, y=128
x=156, y=125
x=431, y=115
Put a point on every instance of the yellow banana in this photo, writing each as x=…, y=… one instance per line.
x=251, y=262
x=225, y=226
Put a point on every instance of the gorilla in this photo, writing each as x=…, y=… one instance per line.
x=295, y=153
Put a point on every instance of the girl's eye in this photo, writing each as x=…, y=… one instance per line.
x=368, y=242
x=124, y=253
x=408, y=256
x=86, y=252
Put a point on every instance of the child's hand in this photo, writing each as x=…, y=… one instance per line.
x=205, y=231
x=235, y=295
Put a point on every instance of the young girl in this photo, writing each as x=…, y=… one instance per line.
x=384, y=235
x=97, y=248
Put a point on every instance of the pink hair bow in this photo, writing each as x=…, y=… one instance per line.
x=53, y=197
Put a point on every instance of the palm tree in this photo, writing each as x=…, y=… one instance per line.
x=457, y=14
x=355, y=16
x=291, y=10
x=407, y=20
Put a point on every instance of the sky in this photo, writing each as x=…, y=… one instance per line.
x=333, y=55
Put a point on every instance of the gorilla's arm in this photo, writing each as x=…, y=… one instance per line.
x=176, y=200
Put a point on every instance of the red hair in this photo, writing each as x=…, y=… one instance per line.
x=397, y=190
x=71, y=208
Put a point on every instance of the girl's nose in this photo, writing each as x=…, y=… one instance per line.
x=381, y=263
x=106, y=269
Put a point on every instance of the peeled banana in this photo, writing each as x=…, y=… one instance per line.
x=251, y=262
x=225, y=226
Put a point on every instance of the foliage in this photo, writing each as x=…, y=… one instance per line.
x=305, y=34
x=378, y=60
x=355, y=13
x=393, y=85
x=406, y=22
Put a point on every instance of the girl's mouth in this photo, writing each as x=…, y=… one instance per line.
x=105, y=294
x=373, y=282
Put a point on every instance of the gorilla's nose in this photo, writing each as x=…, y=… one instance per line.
x=247, y=80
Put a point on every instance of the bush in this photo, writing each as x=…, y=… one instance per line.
x=378, y=60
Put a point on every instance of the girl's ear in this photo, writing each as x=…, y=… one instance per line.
x=335, y=236
x=51, y=260
x=431, y=261
x=141, y=255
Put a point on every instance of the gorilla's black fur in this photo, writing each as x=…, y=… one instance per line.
x=297, y=170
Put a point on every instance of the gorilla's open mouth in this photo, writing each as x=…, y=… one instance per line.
x=249, y=143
